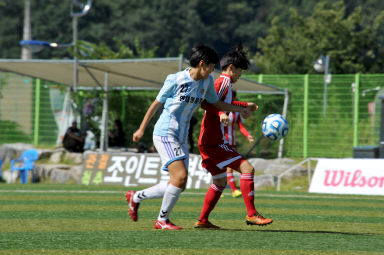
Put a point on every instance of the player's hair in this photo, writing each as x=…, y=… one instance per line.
x=205, y=53
x=236, y=56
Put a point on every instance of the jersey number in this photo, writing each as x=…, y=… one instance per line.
x=177, y=151
x=184, y=88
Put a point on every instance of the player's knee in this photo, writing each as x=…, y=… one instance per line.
x=222, y=182
x=246, y=167
x=181, y=179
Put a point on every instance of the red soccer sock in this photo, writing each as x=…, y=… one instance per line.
x=231, y=181
x=247, y=188
x=213, y=195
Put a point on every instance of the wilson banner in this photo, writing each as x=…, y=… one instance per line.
x=349, y=176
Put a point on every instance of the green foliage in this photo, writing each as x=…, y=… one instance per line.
x=87, y=50
x=134, y=115
x=292, y=33
x=293, y=46
x=10, y=28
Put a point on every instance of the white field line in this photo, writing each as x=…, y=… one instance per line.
x=309, y=196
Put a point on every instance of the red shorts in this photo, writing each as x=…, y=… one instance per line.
x=216, y=158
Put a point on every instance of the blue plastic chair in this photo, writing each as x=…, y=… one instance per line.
x=28, y=157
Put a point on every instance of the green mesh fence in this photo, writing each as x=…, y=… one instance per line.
x=30, y=110
x=335, y=129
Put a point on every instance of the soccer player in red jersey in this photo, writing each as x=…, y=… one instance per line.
x=234, y=118
x=216, y=152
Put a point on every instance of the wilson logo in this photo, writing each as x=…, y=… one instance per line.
x=337, y=178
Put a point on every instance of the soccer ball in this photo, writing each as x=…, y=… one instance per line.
x=275, y=127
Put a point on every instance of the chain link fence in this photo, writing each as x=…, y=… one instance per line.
x=326, y=119
x=329, y=120
x=29, y=110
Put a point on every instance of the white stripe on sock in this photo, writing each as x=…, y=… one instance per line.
x=156, y=191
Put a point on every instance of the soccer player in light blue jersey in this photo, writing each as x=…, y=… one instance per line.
x=180, y=95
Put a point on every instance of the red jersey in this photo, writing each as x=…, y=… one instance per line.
x=212, y=131
x=234, y=118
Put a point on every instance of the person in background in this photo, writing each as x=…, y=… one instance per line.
x=116, y=137
x=73, y=140
x=87, y=111
x=1, y=174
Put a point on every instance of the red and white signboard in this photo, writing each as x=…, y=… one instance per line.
x=349, y=176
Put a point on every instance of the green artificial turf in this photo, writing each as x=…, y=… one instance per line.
x=74, y=219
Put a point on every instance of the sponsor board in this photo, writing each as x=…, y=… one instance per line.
x=349, y=176
x=134, y=169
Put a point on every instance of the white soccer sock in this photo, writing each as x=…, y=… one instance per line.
x=170, y=198
x=156, y=191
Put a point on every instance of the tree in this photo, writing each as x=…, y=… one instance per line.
x=173, y=26
x=292, y=47
x=11, y=28
x=87, y=50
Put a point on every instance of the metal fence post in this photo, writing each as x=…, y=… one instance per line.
x=37, y=113
x=104, y=117
x=284, y=113
x=356, y=111
x=181, y=61
x=123, y=104
x=259, y=116
x=381, y=153
x=305, y=117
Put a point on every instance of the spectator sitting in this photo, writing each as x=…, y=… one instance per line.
x=116, y=137
x=73, y=140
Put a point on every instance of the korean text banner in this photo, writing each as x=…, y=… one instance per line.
x=134, y=169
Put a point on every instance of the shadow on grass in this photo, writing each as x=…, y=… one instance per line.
x=301, y=231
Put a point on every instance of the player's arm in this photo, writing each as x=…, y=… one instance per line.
x=243, y=108
x=244, y=131
x=252, y=106
x=210, y=108
x=167, y=91
x=155, y=106
x=71, y=134
x=213, y=98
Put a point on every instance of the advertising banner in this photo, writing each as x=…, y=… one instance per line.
x=349, y=176
x=134, y=169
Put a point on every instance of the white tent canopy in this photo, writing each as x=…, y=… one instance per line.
x=132, y=74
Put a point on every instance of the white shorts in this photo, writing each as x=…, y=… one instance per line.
x=171, y=150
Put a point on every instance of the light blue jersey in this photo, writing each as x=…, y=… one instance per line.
x=181, y=96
